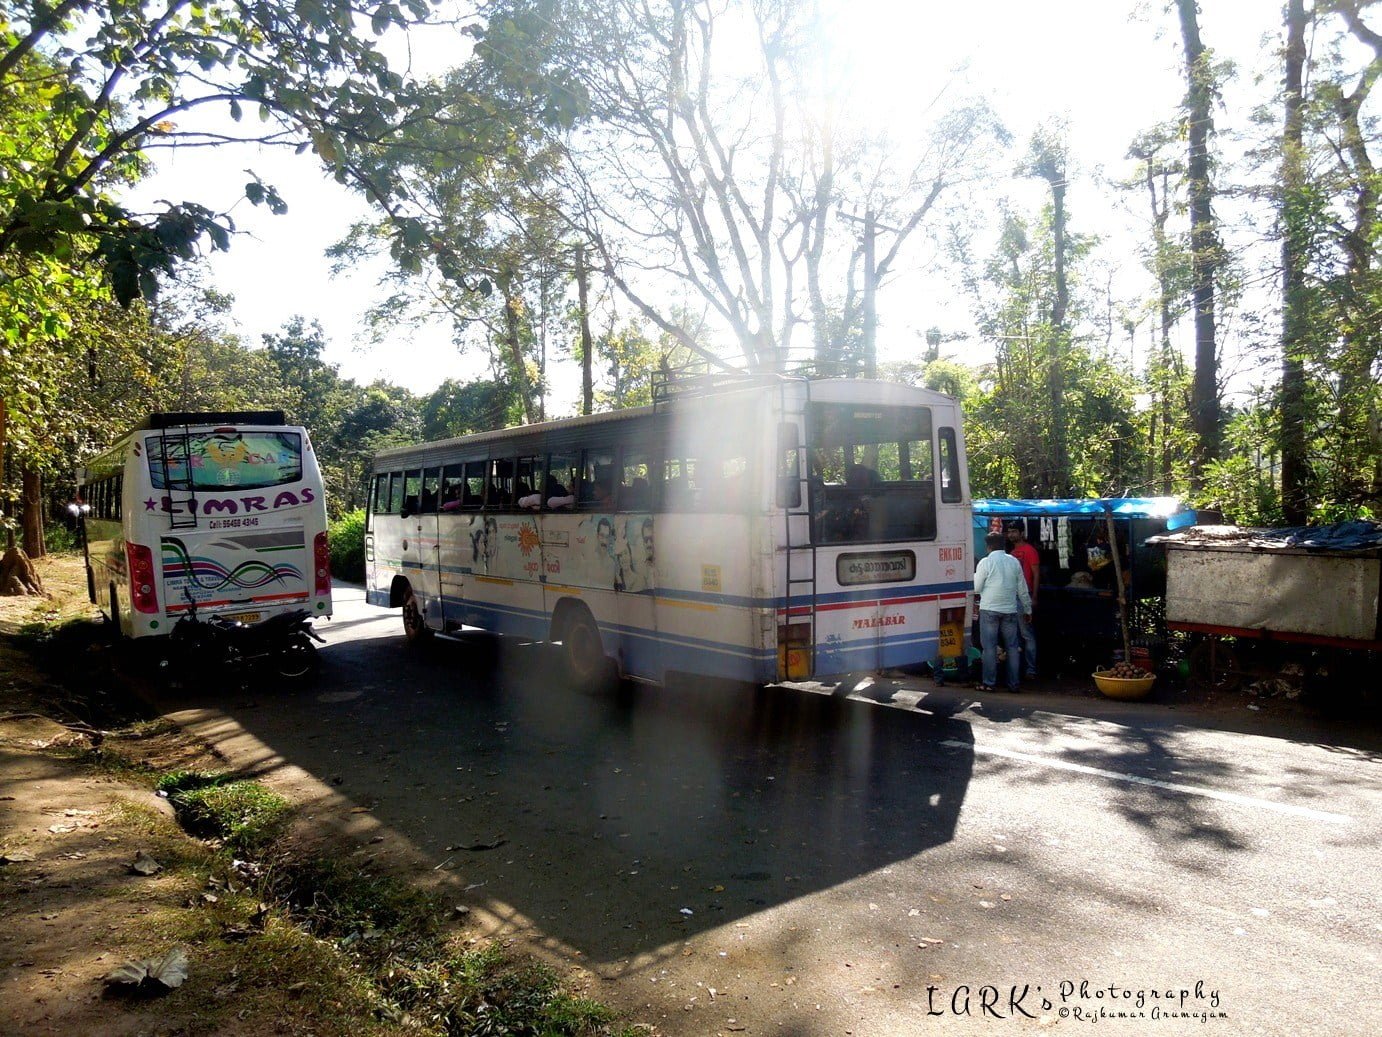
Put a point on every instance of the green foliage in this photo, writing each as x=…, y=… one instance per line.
x=347, y=539
x=458, y=409
x=61, y=540
x=134, y=75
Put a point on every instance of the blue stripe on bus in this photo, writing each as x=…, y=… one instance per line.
x=883, y=594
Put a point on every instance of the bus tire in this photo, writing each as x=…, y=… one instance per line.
x=415, y=627
x=117, y=634
x=586, y=662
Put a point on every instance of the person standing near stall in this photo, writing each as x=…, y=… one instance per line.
x=1003, y=600
x=1027, y=557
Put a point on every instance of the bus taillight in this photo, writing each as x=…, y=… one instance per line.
x=321, y=558
x=143, y=593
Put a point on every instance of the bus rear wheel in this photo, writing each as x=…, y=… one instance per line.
x=414, y=625
x=586, y=662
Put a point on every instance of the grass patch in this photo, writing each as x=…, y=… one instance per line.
x=243, y=814
x=419, y=979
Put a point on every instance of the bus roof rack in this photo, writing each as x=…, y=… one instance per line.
x=179, y=418
x=682, y=383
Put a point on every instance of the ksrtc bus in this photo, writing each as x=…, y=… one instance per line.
x=757, y=528
x=224, y=512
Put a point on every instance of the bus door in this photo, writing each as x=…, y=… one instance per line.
x=420, y=561
x=635, y=548
x=451, y=560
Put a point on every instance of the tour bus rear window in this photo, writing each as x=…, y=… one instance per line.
x=225, y=460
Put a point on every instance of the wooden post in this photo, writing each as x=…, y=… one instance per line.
x=1118, y=578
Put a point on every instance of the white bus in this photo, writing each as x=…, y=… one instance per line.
x=757, y=528
x=224, y=511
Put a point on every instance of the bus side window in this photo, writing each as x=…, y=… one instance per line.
x=637, y=481
x=452, y=487
x=499, y=493
x=431, y=491
x=412, y=489
x=380, y=503
x=561, y=482
x=473, y=494
x=950, y=467
x=119, y=496
x=395, y=493
x=527, y=487
x=599, y=488
x=677, y=492
x=788, y=465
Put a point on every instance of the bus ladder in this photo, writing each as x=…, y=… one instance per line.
x=188, y=518
x=800, y=583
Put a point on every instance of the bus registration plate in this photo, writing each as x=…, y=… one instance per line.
x=244, y=617
x=952, y=640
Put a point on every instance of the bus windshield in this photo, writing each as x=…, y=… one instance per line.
x=225, y=460
x=872, y=473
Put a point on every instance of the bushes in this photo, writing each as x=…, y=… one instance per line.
x=347, y=538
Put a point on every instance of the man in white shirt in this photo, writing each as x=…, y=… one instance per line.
x=1001, y=588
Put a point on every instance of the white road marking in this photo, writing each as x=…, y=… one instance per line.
x=1193, y=790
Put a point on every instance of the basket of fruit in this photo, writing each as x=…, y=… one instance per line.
x=1124, y=681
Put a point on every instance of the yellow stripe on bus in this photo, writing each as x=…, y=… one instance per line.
x=494, y=579
x=697, y=606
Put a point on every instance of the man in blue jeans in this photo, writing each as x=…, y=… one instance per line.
x=1002, y=591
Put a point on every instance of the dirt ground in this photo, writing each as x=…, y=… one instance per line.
x=77, y=808
x=71, y=823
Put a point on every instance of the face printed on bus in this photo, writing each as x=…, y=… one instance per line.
x=604, y=535
x=648, y=542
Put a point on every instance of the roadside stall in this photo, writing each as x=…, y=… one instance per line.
x=1078, y=616
x=1297, y=604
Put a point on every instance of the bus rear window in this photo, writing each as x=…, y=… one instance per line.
x=872, y=473
x=225, y=460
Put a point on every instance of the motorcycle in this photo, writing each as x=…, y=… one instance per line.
x=223, y=646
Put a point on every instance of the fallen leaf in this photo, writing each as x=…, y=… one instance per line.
x=151, y=975
x=16, y=856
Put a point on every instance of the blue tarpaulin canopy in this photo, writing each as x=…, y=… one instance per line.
x=1122, y=507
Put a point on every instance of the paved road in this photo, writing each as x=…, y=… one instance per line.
x=726, y=860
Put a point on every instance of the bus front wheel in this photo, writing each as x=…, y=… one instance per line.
x=414, y=625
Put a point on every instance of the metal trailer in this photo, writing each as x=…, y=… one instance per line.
x=1296, y=604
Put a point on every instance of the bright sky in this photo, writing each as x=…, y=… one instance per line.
x=1109, y=68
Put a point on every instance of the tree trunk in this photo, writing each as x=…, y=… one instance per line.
x=1058, y=477
x=31, y=513
x=513, y=340
x=587, y=342
x=18, y=575
x=1294, y=242
x=1204, y=244
x=1359, y=422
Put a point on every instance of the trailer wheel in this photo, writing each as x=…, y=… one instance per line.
x=1214, y=666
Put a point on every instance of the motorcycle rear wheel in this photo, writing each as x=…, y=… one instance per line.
x=297, y=660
